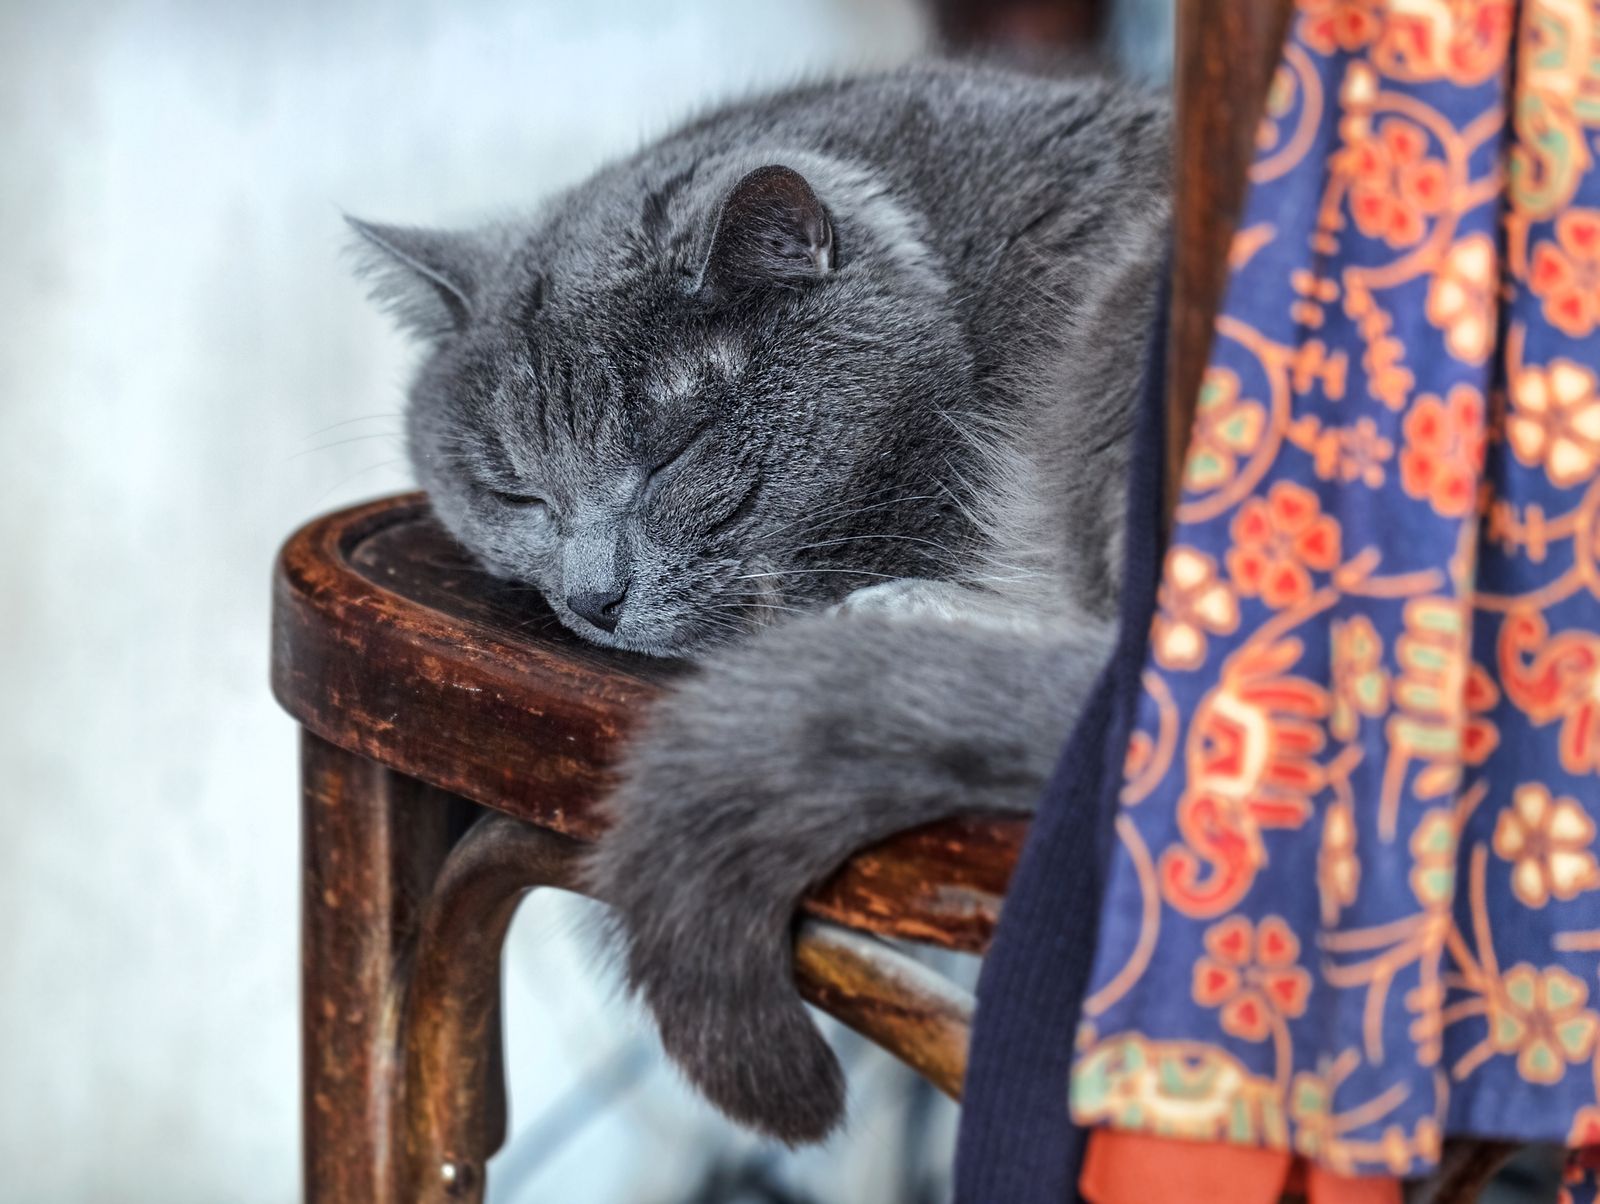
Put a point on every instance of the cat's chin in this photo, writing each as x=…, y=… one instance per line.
x=688, y=639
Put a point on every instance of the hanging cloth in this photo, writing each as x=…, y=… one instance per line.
x=1353, y=905
x=1342, y=861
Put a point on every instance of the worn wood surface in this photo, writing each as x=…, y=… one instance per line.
x=1025, y=27
x=1466, y=1168
x=447, y=1093
x=387, y=642
x=895, y=1002
x=1227, y=51
x=423, y=684
x=372, y=842
x=449, y=1003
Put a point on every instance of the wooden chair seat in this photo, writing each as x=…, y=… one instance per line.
x=432, y=696
x=390, y=643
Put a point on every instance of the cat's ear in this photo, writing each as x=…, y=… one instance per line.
x=771, y=232
x=425, y=278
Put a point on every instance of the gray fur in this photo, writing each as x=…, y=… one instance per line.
x=763, y=774
x=869, y=345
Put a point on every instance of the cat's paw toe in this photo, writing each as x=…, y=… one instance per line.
x=706, y=943
x=776, y=1076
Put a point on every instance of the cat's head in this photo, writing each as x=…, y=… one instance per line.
x=683, y=401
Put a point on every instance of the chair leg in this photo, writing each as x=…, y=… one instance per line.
x=404, y=926
x=372, y=842
x=454, y=1101
x=895, y=1002
x=454, y=1093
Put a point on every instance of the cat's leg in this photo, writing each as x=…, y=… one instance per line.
x=761, y=775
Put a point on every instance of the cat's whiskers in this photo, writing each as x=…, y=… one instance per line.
x=842, y=539
x=356, y=475
x=808, y=572
x=748, y=607
x=841, y=511
x=333, y=426
x=342, y=442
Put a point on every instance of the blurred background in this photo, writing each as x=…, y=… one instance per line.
x=187, y=372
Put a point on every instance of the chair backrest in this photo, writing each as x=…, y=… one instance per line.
x=1227, y=51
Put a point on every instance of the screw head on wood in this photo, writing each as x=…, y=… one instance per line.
x=459, y=1178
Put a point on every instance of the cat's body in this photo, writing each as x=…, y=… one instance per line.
x=870, y=343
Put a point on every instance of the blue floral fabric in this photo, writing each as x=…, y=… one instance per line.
x=1354, y=903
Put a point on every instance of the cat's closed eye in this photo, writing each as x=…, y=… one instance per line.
x=521, y=501
x=663, y=468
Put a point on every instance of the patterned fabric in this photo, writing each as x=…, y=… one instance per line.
x=1355, y=901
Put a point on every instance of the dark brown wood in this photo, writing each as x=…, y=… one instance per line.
x=1025, y=26
x=372, y=841
x=898, y=1004
x=423, y=684
x=1466, y=1167
x=448, y=1118
x=940, y=885
x=1227, y=51
x=387, y=642
x=454, y=1115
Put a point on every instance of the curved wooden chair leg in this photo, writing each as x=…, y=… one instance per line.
x=454, y=1093
x=894, y=1001
x=453, y=1098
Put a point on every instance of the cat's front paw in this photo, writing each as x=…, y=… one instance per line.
x=703, y=870
x=762, y=774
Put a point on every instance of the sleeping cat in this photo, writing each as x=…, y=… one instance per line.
x=831, y=391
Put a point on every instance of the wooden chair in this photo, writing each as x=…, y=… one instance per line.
x=454, y=747
x=456, y=741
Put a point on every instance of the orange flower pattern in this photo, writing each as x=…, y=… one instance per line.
x=1360, y=682
x=1555, y=420
x=1566, y=273
x=1225, y=428
x=1443, y=455
x=1251, y=974
x=1375, y=665
x=1539, y=1017
x=1461, y=298
x=1193, y=603
x=1394, y=185
x=1278, y=542
x=1550, y=843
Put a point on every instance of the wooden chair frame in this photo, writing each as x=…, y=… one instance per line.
x=451, y=761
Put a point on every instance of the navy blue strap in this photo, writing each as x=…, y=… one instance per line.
x=1017, y=1143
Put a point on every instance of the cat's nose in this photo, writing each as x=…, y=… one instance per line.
x=602, y=607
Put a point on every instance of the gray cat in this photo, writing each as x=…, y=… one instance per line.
x=867, y=350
